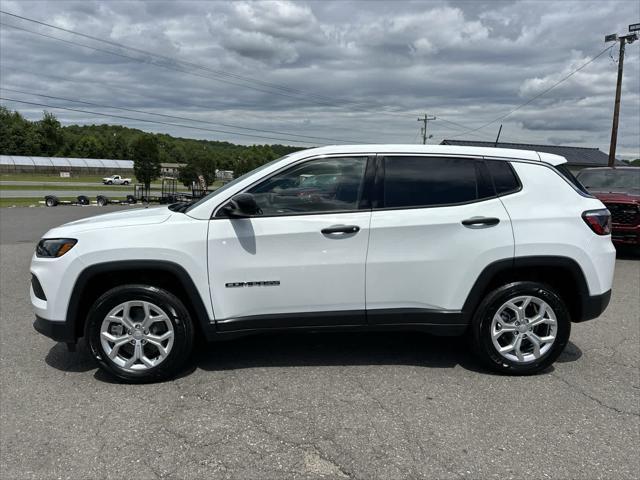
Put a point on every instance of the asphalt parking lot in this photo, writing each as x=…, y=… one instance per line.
x=315, y=405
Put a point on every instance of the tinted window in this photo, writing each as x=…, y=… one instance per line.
x=232, y=183
x=427, y=181
x=321, y=185
x=504, y=178
x=573, y=180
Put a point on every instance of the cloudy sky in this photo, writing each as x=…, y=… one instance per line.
x=328, y=72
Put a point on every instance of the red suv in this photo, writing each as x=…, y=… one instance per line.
x=619, y=189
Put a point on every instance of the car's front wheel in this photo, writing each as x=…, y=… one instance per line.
x=521, y=328
x=140, y=333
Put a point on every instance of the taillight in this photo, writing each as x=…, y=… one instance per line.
x=598, y=220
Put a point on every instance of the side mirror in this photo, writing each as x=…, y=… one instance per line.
x=243, y=205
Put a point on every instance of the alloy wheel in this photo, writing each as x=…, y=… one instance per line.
x=524, y=329
x=137, y=335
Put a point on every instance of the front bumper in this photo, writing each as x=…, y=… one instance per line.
x=594, y=305
x=58, y=331
x=623, y=234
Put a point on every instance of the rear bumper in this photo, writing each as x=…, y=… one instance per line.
x=594, y=305
x=58, y=331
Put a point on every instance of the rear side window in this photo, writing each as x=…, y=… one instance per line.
x=504, y=178
x=571, y=178
x=427, y=181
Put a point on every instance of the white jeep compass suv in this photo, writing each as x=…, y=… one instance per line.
x=502, y=245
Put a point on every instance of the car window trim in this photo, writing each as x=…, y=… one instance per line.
x=367, y=177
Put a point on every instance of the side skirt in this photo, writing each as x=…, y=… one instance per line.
x=437, y=322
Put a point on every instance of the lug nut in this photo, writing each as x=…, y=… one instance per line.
x=129, y=332
x=146, y=332
x=517, y=324
x=144, y=341
x=133, y=342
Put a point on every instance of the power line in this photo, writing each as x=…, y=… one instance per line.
x=566, y=77
x=284, y=90
x=138, y=60
x=129, y=92
x=280, y=89
x=175, y=116
x=172, y=59
x=152, y=121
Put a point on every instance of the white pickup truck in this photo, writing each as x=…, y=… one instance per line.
x=116, y=180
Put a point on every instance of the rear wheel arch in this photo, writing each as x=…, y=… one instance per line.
x=96, y=279
x=563, y=274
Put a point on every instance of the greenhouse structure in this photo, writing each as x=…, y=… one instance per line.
x=61, y=166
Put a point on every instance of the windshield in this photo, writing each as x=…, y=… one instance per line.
x=614, y=180
x=233, y=183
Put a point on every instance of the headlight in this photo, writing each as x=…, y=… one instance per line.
x=54, y=247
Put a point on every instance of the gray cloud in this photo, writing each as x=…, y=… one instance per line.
x=367, y=68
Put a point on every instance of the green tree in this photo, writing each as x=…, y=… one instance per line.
x=252, y=158
x=201, y=164
x=146, y=159
x=89, y=147
x=51, y=133
x=18, y=136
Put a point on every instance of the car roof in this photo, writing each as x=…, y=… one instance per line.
x=506, y=153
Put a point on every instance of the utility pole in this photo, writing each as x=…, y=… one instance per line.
x=425, y=120
x=632, y=37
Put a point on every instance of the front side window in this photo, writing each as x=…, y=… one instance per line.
x=322, y=185
x=428, y=181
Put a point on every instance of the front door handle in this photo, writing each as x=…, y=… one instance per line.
x=480, y=222
x=340, y=229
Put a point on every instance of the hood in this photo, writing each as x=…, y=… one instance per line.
x=135, y=216
x=617, y=197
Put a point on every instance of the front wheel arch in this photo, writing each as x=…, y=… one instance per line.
x=98, y=278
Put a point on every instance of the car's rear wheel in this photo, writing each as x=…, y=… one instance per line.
x=140, y=333
x=521, y=328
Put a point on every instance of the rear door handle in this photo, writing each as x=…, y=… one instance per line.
x=480, y=222
x=340, y=229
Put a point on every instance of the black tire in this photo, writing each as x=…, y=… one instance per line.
x=83, y=200
x=109, y=182
x=101, y=200
x=169, y=303
x=125, y=183
x=131, y=200
x=51, y=201
x=481, y=328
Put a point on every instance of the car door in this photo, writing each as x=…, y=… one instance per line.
x=302, y=261
x=436, y=224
